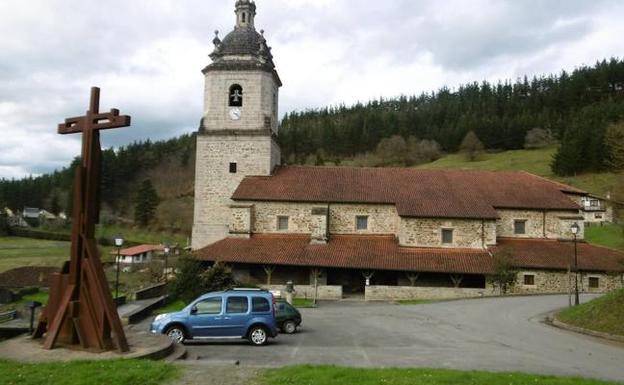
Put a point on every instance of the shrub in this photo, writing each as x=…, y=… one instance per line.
x=194, y=279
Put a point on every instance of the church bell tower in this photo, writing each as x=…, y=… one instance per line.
x=239, y=128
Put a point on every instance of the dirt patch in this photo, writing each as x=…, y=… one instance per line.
x=202, y=373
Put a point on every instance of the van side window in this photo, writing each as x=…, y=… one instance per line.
x=237, y=305
x=260, y=305
x=209, y=306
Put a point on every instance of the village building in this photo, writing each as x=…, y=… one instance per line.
x=387, y=233
x=138, y=254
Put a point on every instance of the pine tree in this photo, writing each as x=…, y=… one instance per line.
x=145, y=203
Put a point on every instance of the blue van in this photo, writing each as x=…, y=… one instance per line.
x=238, y=313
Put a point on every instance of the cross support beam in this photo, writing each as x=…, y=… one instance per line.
x=80, y=311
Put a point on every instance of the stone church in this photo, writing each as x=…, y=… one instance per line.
x=391, y=233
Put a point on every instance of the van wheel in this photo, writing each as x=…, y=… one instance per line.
x=289, y=327
x=258, y=336
x=176, y=333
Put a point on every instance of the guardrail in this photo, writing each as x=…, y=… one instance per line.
x=8, y=316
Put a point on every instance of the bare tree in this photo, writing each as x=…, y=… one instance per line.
x=538, y=138
x=412, y=277
x=268, y=269
x=614, y=143
x=391, y=151
x=457, y=279
x=471, y=146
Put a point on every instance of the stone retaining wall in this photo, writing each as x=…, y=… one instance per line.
x=307, y=291
x=386, y=293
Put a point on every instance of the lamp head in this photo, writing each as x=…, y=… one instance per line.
x=575, y=228
x=119, y=241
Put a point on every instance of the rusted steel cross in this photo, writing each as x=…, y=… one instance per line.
x=80, y=309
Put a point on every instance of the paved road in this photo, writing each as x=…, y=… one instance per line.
x=486, y=334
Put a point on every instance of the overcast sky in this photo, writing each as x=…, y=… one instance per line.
x=147, y=55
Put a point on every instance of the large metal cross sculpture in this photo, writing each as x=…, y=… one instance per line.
x=80, y=309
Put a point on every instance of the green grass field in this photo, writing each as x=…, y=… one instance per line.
x=611, y=236
x=16, y=252
x=330, y=375
x=604, y=314
x=534, y=161
x=119, y=372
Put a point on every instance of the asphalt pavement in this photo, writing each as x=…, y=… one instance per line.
x=495, y=334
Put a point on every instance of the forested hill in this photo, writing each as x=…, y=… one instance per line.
x=500, y=114
x=577, y=108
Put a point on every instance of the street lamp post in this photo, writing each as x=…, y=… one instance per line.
x=166, y=250
x=119, y=241
x=575, y=228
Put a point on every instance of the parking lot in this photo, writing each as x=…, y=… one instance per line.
x=500, y=334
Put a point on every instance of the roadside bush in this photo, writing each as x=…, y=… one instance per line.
x=194, y=279
x=504, y=276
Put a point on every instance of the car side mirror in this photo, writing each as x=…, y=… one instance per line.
x=194, y=310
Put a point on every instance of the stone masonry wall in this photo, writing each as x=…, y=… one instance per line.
x=382, y=219
x=259, y=94
x=396, y=293
x=307, y=291
x=539, y=224
x=548, y=281
x=241, y=219
x=214, y=184
x=427, y=232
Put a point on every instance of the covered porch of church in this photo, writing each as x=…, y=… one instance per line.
x=338, y=283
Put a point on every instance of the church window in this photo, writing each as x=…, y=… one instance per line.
x=529, y=280
x=282, y=223
x=594, y=282
x=243, y=17
x=236, y=96
x=361, y=222
x=233, y=167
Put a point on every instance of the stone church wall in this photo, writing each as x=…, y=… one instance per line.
x=550, y=224
x=427, y=232
x=214, y=184
x=552, y=281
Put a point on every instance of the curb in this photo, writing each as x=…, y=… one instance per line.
x=554, y=321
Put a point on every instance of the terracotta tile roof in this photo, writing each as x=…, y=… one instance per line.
x=384, y=253
x=553, y=254
x=415, y=192
x=140, y=249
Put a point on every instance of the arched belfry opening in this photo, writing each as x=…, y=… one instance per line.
x=236, y=96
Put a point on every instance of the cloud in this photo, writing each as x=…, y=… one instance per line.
x=147, y=55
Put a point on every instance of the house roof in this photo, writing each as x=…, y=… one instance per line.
x=384, y=253
x=414, y=192
x=140, y=249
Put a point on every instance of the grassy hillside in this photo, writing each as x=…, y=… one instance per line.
x=533, y=161
x=604, y=314
x=611, y=236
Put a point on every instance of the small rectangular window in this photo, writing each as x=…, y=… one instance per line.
x=361, y=222
x=260, y=305
x=529, y=280
x=594, y=282
x=282, y=223
x=447, y=236
x=520, y=227
x=237, y=305
x=233, y=168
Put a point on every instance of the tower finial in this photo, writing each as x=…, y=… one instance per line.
x=245, y=13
